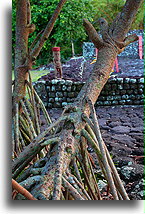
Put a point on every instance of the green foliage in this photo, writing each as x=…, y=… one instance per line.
x=68, y=26
x=108, y=9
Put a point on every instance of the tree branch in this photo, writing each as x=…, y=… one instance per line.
x=93, y=35
x=129, y=39
x=123, y=23
x=22, y=190
x=36, y=50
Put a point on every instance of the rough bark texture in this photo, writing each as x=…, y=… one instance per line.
x=61, y=154
x=24, y=59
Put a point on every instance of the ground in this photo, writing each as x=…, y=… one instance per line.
x=121, y=126
x=79, y=69
x=122, y=131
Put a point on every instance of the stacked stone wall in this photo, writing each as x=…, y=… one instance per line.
x=117, y=91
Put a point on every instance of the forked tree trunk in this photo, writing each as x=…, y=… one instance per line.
x=24, y=57
x=71, y=131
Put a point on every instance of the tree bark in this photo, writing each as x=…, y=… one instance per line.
x=68, y=146
x=24, y=59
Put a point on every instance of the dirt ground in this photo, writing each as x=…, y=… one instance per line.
x=122, y=131
x=79, y=69
x=121, y=126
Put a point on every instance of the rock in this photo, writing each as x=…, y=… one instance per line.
x=137, y=192
x=121, y=150
x=127, y=172
x=101, y=185
x=59, y=94
x=121, y=129
x=64, y=88
x=114, y=124
x=137, y=129
x=64, y=104
x=133, y=172
x=124, y=139
x=102, y=122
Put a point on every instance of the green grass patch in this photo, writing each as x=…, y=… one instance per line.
x=35, y=74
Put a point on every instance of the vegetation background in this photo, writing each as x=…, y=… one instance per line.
x=68, y=27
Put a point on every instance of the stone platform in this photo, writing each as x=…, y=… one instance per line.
x=117, y=91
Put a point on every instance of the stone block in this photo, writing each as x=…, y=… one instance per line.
x=65, y=94
x=48, y=88
x=142, y=101
x=135, y=91
x=122, y=102
x=115, y=102
x=119, y=80
x=107, y=102
x=39, y=86
x=132, y=97
x=126, y=86
x=69, y=100
x=140, y=91
x=71, y=94
x=73, y=87
x=54, y=81
x=61, y=82
x=110, y=92
x=133, y=81
x=141, y=86
x=63, y=99
x=107, y=87
x=136, y=102
x=141, y=80
x=53, y=88
x=64, y=104
x=133, y=86
x=129, y=102
x=110, y=98
x=125, y=97
x=126, y=80
x=129, y=92
x=59, y=94
x=51, y=100
x=57, y=105
x=68, y=82
x=122, y=92
x=58, y=88
x=64, y=88
x=141, y=96
x=48, y=82
x=101, y=98
x=79, y=87
x=120, y=86
x=114, y=86
x=117, y=92
x=117, y=97
x=49, y=105
x=99, y=103
x=68, y=89
x=51, y=94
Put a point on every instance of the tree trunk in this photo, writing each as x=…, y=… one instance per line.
x=74, y=128
x=24, y=59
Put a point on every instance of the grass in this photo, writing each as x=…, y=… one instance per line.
x=35, y=74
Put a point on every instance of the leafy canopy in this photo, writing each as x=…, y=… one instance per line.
x=68, y=26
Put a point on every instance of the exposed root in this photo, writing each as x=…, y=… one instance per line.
x=54, y=164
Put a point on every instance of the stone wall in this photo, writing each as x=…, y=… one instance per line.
x=131, y=51
x=117, y=91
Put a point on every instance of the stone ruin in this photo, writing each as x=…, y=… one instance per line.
x=122, y=88
x=131, y=51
